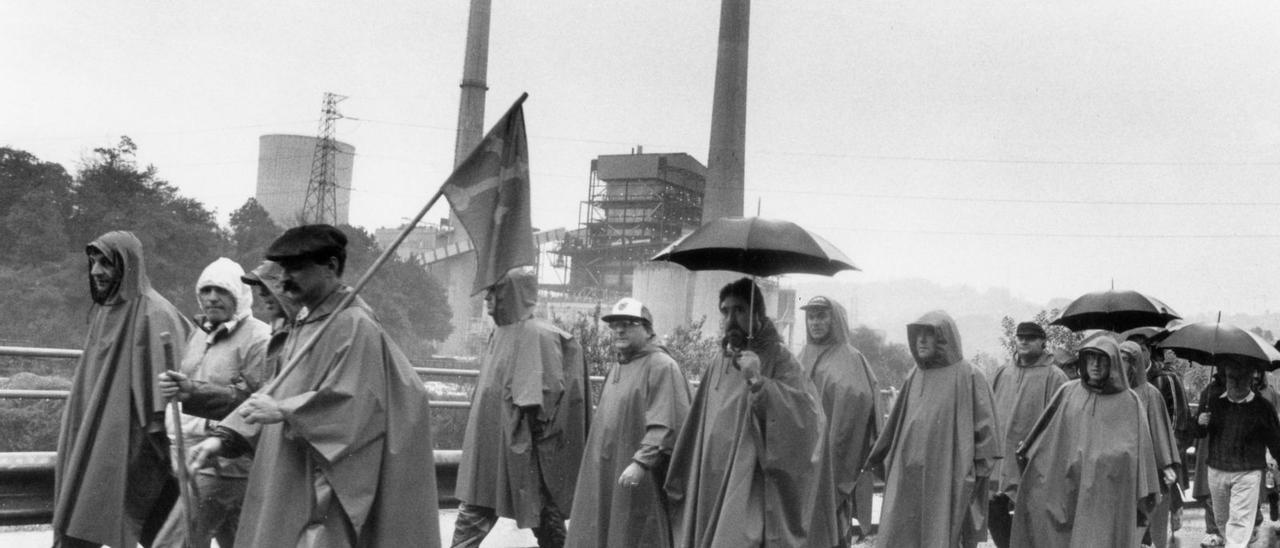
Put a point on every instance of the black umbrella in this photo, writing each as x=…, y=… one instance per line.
x=755, y=246
x=1115, y=311
x=1212, y=342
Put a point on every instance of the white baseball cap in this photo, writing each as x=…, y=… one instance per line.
x=629, y=309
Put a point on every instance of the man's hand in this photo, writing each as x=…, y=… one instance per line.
x=261, y=409
x=201, y=453
x=1204, y=419
x=1170, y=476
x=632, y=475
x=749, y=363
x=174, y=385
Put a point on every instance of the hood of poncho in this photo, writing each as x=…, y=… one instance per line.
x=514, y=296
x=839, y=333
x=1116, y=378
x=948, y=337
x=1138, y=371
x=224, y=273
x=125, y=252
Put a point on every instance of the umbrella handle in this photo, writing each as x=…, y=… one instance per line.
x=751, y=312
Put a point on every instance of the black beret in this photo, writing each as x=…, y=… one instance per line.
x=1030, y=329
x=308, y=241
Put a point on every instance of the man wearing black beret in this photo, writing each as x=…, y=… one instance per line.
x=342, y=444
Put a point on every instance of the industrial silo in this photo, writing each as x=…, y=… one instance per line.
x=284, y=171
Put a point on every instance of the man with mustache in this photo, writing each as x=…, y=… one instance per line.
x=342, y=442
x=111, y=472
x=223, y=363
x=746, y=464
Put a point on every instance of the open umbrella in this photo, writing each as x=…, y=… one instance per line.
x=755, y=246
x=1212, y=342
x=1115, y=311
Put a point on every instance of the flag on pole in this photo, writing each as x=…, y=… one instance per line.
x=489, y=192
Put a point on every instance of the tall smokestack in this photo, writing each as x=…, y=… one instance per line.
x=474, y=68
x=727, y=157
x=458, y=271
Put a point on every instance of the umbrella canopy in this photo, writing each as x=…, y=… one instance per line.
x=755, y=246
x=1115, y=311
x=1212, y=342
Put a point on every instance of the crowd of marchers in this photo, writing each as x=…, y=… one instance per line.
x=309, y=427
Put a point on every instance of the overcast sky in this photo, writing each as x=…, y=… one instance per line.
x=1043, y=147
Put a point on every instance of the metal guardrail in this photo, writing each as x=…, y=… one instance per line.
x=26, y=479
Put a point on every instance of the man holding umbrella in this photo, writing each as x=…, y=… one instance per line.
x=1241, y=428
x=744, y=469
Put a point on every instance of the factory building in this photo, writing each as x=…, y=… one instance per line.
x=636, y=205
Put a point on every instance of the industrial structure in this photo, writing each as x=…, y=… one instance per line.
x=636, y=205
x=321, y=205
x=284, y=174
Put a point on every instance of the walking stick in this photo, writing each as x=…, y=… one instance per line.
x=190, y=493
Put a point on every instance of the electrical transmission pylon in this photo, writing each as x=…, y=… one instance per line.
x=321, y=204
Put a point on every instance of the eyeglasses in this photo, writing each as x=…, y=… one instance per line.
x=623, y=324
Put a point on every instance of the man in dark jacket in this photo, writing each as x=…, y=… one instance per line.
x=1241, y=428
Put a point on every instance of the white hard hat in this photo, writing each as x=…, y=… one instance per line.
x=629, y=309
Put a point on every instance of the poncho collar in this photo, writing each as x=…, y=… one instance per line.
x=649, y=347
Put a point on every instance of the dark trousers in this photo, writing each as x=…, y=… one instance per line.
x=475, y=522
x=999, y=520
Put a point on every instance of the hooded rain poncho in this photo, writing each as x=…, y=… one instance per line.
x=354, y=450
x=1021, y=393
x=745, y=467
x=849, y=392
x=937, y=448
x=530, y=363
x=1090, y=467
x=1163, y=442
x=643, y=404
x=111, y=461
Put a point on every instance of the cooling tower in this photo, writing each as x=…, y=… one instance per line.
x=284, y=170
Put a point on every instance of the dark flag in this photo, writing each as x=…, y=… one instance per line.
x=489, y=192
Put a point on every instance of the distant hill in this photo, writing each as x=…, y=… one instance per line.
x=888, y=306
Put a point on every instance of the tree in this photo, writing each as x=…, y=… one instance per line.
x=891, y=362
x=1057, y=336
x=179, y=236
x=252, y=230
x=410, y=303
x=35, y=201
